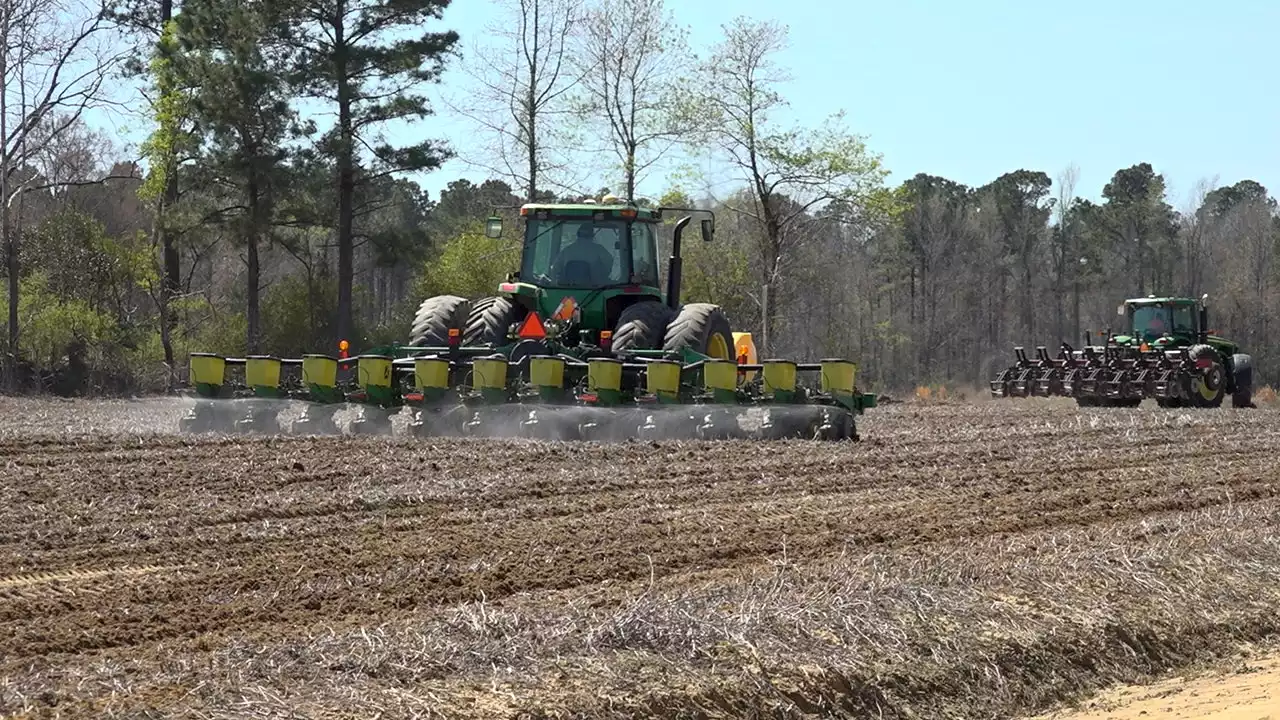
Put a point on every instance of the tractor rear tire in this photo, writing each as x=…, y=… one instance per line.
x=701, y=327
x=1242, y=397
x=1215, y=396
x=490, y=320
x=435, y=318
x=642, y=326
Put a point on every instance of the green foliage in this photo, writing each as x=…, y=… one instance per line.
x=55, y=327
x=172, y=107
x=297, y=315
x=717, y=273
x=383, y=55
x=232, y=56
x=396, y=222
x=463, y=203
x=470, y=265
x=823, y=164
x=78, y=260
x=1223, y=200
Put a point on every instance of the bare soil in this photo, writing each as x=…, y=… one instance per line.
x=992, y=559
x=1246, y=688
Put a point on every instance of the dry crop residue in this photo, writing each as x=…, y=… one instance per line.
x=978, y=559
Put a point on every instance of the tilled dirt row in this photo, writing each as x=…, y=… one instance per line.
x=242, y=565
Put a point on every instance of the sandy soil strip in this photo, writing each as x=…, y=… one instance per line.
x=1248, y=691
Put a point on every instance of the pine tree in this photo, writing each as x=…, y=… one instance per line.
x=366, y=59
x=233, y=55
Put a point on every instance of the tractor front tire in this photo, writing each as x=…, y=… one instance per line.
x=1208, y=391
x=1242, y=397
x=701, y=327
x=490, y=320
x=436, y=316
x=642, y=326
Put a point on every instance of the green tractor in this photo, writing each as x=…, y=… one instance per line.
x=587, y=287
x=580, y=343
x=1166, y=352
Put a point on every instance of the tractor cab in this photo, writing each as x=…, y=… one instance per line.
x=572, y=248
x=1163, y=321
x=1152, y=320
x=583, y=265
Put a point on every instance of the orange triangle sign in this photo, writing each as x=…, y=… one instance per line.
x=531, y=328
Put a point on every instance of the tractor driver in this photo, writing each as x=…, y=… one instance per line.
x=1155, y=326
x=584, y=262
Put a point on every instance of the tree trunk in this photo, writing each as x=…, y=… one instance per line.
x=346, y=181
x=531, y=114
x=252, y=313
x=171, y=283
x=172, y=262
x=631, y=172
x=11, y=268
x=11, y=252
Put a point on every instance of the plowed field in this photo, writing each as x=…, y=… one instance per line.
x=981, y=560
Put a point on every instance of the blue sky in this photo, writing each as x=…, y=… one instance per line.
x=972, y=90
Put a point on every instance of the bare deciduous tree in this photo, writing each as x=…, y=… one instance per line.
x=520, y=96
x=790, y=173
x=631, y=56
x=1066, y=251
x=55, y=59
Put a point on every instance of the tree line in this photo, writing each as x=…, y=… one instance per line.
x=273, y=207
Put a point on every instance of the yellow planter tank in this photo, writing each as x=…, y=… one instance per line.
x=662, y=379
x=208, y=373
x=262, y=374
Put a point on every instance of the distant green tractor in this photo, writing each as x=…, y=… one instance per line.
x=1166, y=352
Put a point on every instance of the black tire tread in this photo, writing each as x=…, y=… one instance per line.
x=489, y=319
x=693, y=326
x=642, y=326
x=1195, y=352
x=1242, y=397
x=435, y=317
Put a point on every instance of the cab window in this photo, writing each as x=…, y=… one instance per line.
x=644, y=263
x=552, y=243
x=1184, y=320
x=1151, y=322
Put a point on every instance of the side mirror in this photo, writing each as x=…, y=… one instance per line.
x=1120, y=310
x=708, y=230
x=493, y=227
